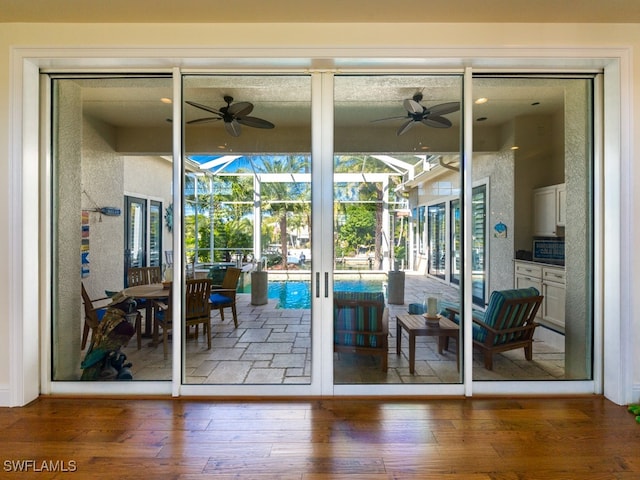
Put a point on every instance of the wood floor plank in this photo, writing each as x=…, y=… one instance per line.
x=586, y=438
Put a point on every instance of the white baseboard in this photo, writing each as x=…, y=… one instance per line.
x=5, y=397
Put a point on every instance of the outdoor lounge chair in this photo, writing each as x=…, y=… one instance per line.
x=360, y=324
x=507, y=323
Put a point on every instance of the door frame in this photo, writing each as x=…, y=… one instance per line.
x=613, y=355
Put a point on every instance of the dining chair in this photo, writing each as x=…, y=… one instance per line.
x=93, y=316
x=197, y=311
x=224, y=296
x=197, y=308
x=144, y=276
x=137, y=276
x=154, y=274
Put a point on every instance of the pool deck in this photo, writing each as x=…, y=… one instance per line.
x=273, y=346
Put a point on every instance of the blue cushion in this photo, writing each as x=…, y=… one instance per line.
x=416, y=308
x=496, y=301
x=217, y=299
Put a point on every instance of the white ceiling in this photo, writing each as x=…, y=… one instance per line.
x=325, y=11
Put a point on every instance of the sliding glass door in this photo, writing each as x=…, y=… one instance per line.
x=247, y=209
x=397, y=148
x=377, y=281
x=111, y=167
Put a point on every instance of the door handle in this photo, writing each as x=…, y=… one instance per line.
x=317, y=284
x=326, y=284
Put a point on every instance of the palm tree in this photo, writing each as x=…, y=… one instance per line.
x=285, y=199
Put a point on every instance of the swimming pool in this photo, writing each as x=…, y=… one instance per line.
x=297, y=293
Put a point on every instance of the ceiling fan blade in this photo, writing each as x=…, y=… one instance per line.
x=388, y=118
x=203, y=120
x=204, y=107
x=232, y=128
x=444, y=108
x=412, y=106
x=404, y=128
x=436, y=121
x=240, y=109
x=255, y=122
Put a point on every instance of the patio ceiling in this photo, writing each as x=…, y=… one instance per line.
x=138, y=110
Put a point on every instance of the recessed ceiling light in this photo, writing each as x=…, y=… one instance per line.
x=515, y=147
x=166, y=100
x=481, y=119
x=481, y=100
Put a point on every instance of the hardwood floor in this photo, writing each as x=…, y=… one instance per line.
x=466, y=439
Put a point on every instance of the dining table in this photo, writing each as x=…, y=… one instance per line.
x=149, y=292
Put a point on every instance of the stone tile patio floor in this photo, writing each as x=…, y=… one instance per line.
x=272, y=346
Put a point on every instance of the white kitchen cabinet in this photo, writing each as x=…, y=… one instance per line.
x=529, y=275
x=549, y=210
x=550, y=282
x=561, y=204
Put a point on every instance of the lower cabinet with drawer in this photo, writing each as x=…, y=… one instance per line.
x=550, y=282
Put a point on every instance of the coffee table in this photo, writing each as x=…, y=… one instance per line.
x=418, y=326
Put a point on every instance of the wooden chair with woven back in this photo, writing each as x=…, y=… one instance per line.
x=224, y=296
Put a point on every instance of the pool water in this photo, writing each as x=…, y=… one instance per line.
x=297, y=294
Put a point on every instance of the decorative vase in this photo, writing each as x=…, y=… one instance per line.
x=431, y=305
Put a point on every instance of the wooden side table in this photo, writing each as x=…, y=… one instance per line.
x=417, y=326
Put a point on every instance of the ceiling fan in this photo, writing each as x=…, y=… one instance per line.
x=417, y=113
x=232, y=115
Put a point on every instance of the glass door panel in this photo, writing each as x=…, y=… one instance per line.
x=478, y=239
x=537, y=155
x=155, y=233
x=135, y=234
x=247, y=206
x=397, y=151
x=437, y=239
x=103, y=178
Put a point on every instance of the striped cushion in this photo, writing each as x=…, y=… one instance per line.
x=353, y=318
x=496, y=301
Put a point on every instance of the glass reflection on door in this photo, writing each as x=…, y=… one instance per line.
x=397, y=156
x=135, y=234
x=247, y=207
x=109, y=183
x=535, y=141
